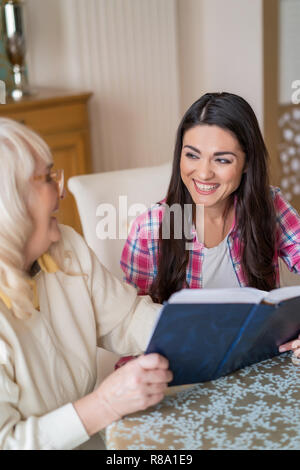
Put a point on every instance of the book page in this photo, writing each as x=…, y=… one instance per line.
x=242, y=295
x=284, y=293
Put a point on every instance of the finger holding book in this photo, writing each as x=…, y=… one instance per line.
x=293, y=345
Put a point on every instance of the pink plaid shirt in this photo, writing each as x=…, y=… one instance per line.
x=140, y=253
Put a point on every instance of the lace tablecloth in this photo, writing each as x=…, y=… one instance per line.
x=253, y=408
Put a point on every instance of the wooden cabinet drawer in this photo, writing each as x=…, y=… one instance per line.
x=52, y=119
x=69, y=152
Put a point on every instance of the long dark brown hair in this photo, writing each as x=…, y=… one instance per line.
x=255, y=224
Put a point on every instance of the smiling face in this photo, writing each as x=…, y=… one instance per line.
x=211, y=165
x=42, y=205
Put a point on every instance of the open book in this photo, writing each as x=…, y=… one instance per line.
x=208, y=333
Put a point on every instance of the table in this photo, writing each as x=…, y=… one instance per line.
x=253, y=408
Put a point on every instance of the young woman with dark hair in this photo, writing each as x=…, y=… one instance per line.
x=220, y=163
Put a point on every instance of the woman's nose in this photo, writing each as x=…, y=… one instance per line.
x=204, y=170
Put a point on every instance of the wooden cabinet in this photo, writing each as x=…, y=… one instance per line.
x=61, y=118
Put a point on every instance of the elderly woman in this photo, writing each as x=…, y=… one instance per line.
x=57, y=304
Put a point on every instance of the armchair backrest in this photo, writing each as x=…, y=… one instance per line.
x=108, y=201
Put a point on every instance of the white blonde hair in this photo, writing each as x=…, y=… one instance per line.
x=19, y=147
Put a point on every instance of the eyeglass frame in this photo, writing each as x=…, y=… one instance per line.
x=57, y=176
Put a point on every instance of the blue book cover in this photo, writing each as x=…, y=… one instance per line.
x=204, y=341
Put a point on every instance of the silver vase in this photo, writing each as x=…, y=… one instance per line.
x=14, y=40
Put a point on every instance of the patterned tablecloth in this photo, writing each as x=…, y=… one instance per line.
x=253, y=408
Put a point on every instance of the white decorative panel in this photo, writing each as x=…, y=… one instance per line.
x=289, y=151
x=289, y=46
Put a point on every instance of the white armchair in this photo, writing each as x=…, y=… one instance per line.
x=96, y=196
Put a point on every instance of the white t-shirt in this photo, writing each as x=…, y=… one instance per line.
x=217, y=268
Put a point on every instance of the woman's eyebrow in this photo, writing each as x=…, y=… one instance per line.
x=216, y=154
x=219, y=154
x=192, y=148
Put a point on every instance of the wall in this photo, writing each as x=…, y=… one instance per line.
x=146, y=61
x=125, y=52
x=221, y=49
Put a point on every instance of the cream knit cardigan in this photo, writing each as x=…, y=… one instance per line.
x=49, y=361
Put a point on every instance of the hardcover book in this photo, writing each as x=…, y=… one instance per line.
x=209, y=333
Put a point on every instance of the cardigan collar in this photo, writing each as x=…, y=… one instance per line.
x=45, y=263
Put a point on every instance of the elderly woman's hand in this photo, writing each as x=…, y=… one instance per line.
x=294, y=346
x=137, y=385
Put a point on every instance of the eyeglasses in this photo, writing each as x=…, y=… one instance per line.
x=55, y=175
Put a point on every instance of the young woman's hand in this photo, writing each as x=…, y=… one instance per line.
x=294, y=346
x=135, y=386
